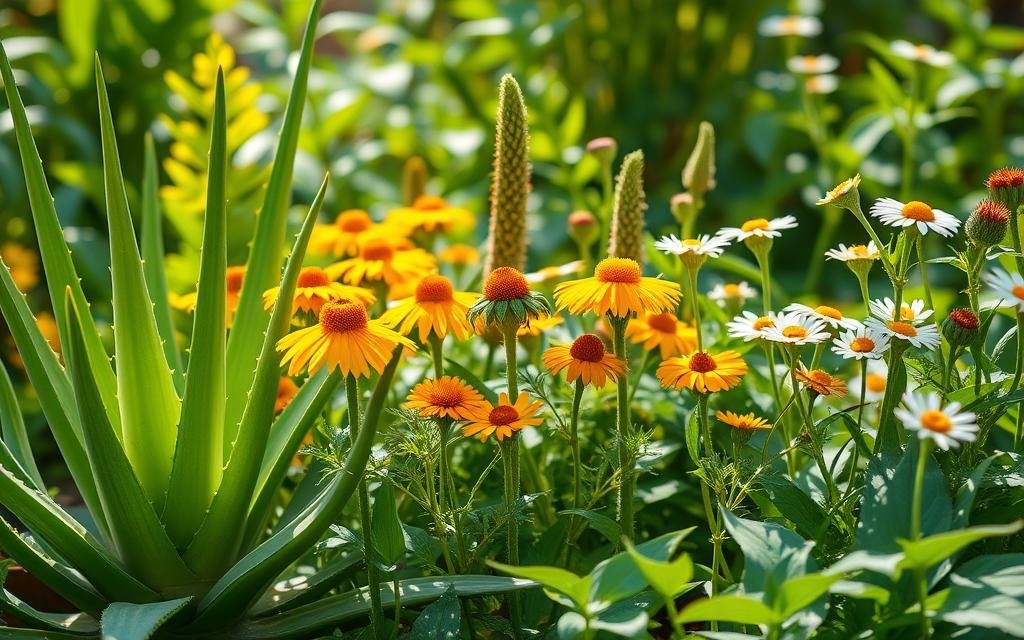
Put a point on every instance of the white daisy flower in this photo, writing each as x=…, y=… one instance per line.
x=761, y=227
x=912, y=312
x=845, y=253
x=822, y=85
x=829, y=315
x=946, y=426
x=922, y=53
x=925, y=336
x=896, y=214
x=738, y=292
x=798, y=329
x=840, y=190
x=778, y=26
x=705, y=245
x=813, y=65
x=861, y=343
x=750, y=326
x=874, y=382
x=1006, y=288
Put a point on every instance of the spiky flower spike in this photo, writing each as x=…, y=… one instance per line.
x=699, y=172
x=627, y=233
x=414, y=180
x=506, y=239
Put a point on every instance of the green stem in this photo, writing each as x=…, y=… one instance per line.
x=623, y=426
x=574, y=443
x=437, y=354
x=691, y=287
x=816, y=447
x=510, y=463
x=910, y=135
x=923, y=454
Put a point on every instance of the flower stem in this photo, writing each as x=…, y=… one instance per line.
x=574, y=442
x=510, y=460
x=622, y=427
x=438, y=356
x=923, y=453
x=691, y=289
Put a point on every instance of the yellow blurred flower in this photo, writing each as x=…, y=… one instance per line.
x=23, y=263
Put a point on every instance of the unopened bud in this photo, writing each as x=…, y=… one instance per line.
x=683, y=207
x=699, y=173
x=1006, y=185
x=960, y=327
x=583, y=227
x=604, y=149
x=986, y=226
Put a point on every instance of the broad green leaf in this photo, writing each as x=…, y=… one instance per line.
x=198, y=452
x=145, y=393
x=791, y=501
x=12, y=427
x=729, y=608
x=988, y=592
x=264, y=265
x=220, y=535
x=440, y=620
x=618, y=578
x=861, y=590
x=553, y=579
x=966, y=494
x=691, y=436
x=926, y=552
x=135, y=529
x=625, y=618
x=17, y=633
x=153, y=263
x=302, y=589
x=129, y=621
x=801, y=591
x=666, y=578
x=388, y=537
x=598, y=522
x=772, y=554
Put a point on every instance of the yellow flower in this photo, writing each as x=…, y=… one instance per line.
x=445, y=397
x=748, y=422
x=547, y=274
x=344, y=339
x=703, y=372
x=535, y=326
x=822, y=382
x=234, y=276
x=383, y=258
x=435, y=308
x=460, y=255
x=286, y=390
x=350, y=229
x=617, y=288
x=48, y=327
x=314, y=287
x=671, y=336
x=837, y=194
x=586, y=359
x=503, y=419
x=431, y=213
x=23, y=263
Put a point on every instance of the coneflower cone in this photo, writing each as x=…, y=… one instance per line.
x=506, y=240
x=626, y=239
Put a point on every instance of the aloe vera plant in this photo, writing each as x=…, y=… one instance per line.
x=177, y=467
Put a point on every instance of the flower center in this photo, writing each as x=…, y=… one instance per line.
x=340, y=317
x=755, y=224
x=875, y=383
x=506, y=283
x=764, y=322
x=862, y=345
x=860, y=250
x=789, y=24
x=702, y=362
x=434, y=289
x=731, y=290
x=502, y=415
x=917, y=210
x=621, y=270
x=588, y=348
x=353, y=221
x=447, y=396
x=378, y=249
x=934, y=420
x=1018, y=291
x=903, y=329
x=992, y=211
x=429, y=203
x=234, y=279
x=690, y=242
x=313, y=277
x=966, y=319
x=829, y=312
x=663, y=322
x=922, y=51
x=1006, y=178
x=794, y=331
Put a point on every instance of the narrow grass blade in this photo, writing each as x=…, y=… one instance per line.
x=198, y=461
x=136, y=531
x=153, y=263
x=264, y=265
x=219, y=538
x=60, y=271
x=149, y=406
x=12, y=427
x=139, y=621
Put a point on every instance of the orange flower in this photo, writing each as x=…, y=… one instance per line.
x=234, y=276
x=431, y=213
x=314, y=287
x=537, y=326
x=343, y=238
x=504, y=418
x=459, y=255
x=384, y=258
x=286, y=390
x=619, y=289
x=747, y=422
x=703, y=372
x=586, y=359
x=822, y=382
x=445, y=397
x=23, y=264
x=662, y=330
x=435, y=309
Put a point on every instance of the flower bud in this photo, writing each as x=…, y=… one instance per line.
x=960, y=327
x=583, y=227
x=986, y=226
x=683, y=207
x=603, y=149
x=699, y=173
x=1006, y=185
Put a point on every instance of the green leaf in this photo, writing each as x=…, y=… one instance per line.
x=303, y=589
x=388, y=537
x=791, y=501
x=618, y=578
x=626, y=618
x=966, y=494
x=576, y=589
x=598, y=522
x=12, y=427
x=691, y=435
x=772, y=554
x=802, y=591
x=924, y=553
x=78, y=33
x=149, y=405
x=729, y=608
x=440, y=620
x=264, y=265
x=988, y=592
x=667, y=578
x=198, y=452
x=128, y=621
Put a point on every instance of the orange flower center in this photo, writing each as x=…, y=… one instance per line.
x=663, y=322
x=313, y=277
x=1006, y=178
x=903, y=329
x=966, y=319
x=789, y=24
x=446, y=395
x=581, y=219
x=755, y=224
x=702, y=362
x=731, y=290
x=829, y=312
x=429, y=203
x=340, y=317
x=622, y=270
x=353, y=221
x=875, y=383
x=502, y=415
x=690, y=242
x=434, y=289
x=588, y=348
x=378, y=249
x=934, y=420
x=917, y=210
x=794, y=331
x=234, y=279
x=862, y=345
x=506, y=283
x=860, y=250
x=764, y=322
x=1018, y=291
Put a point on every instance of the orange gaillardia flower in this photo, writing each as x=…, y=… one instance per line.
x=233, y=276
x=663, y=330
x=23, y=264
x=586, y=359
x=436, y=309
x=345, y=339
x=343, y=238
x=747, y=422
x=384, y=258
x=703, y=372
x=617, y=288
x=504, y=418
x=430, y=213
x=822, y=382
x=286, y=390
x=445, y=397
x=460, y=255
x=314, y=287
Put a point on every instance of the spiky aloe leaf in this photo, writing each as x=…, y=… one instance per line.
x=219, y=537
x=149, y=405
x=30, y=616
x=327, y=577
x=139, y=621
x=12, y=427
x=196, y=471
x=264, y=265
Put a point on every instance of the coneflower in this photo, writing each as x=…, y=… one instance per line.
x=626, y=239
x=506, y=239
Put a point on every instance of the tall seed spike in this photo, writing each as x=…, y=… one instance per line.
x=699, y=172
x=414, y=180
x=506, y=240
x=627, y=233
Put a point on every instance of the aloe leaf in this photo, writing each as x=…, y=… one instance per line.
x=219, y=537
x=60, y=271
x=153, y=262
x=16, y=633
x=136, y=531
x=29, y=615
x=139, y=621
x=300, y=590
x=149, y=405
x=64, y=580
x=264, y=265
x=12, y=427
x=197, y=467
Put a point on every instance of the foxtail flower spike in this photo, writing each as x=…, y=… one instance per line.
x=506, y=239
x=699, y=172
x=627, y=233
x=414, y=180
